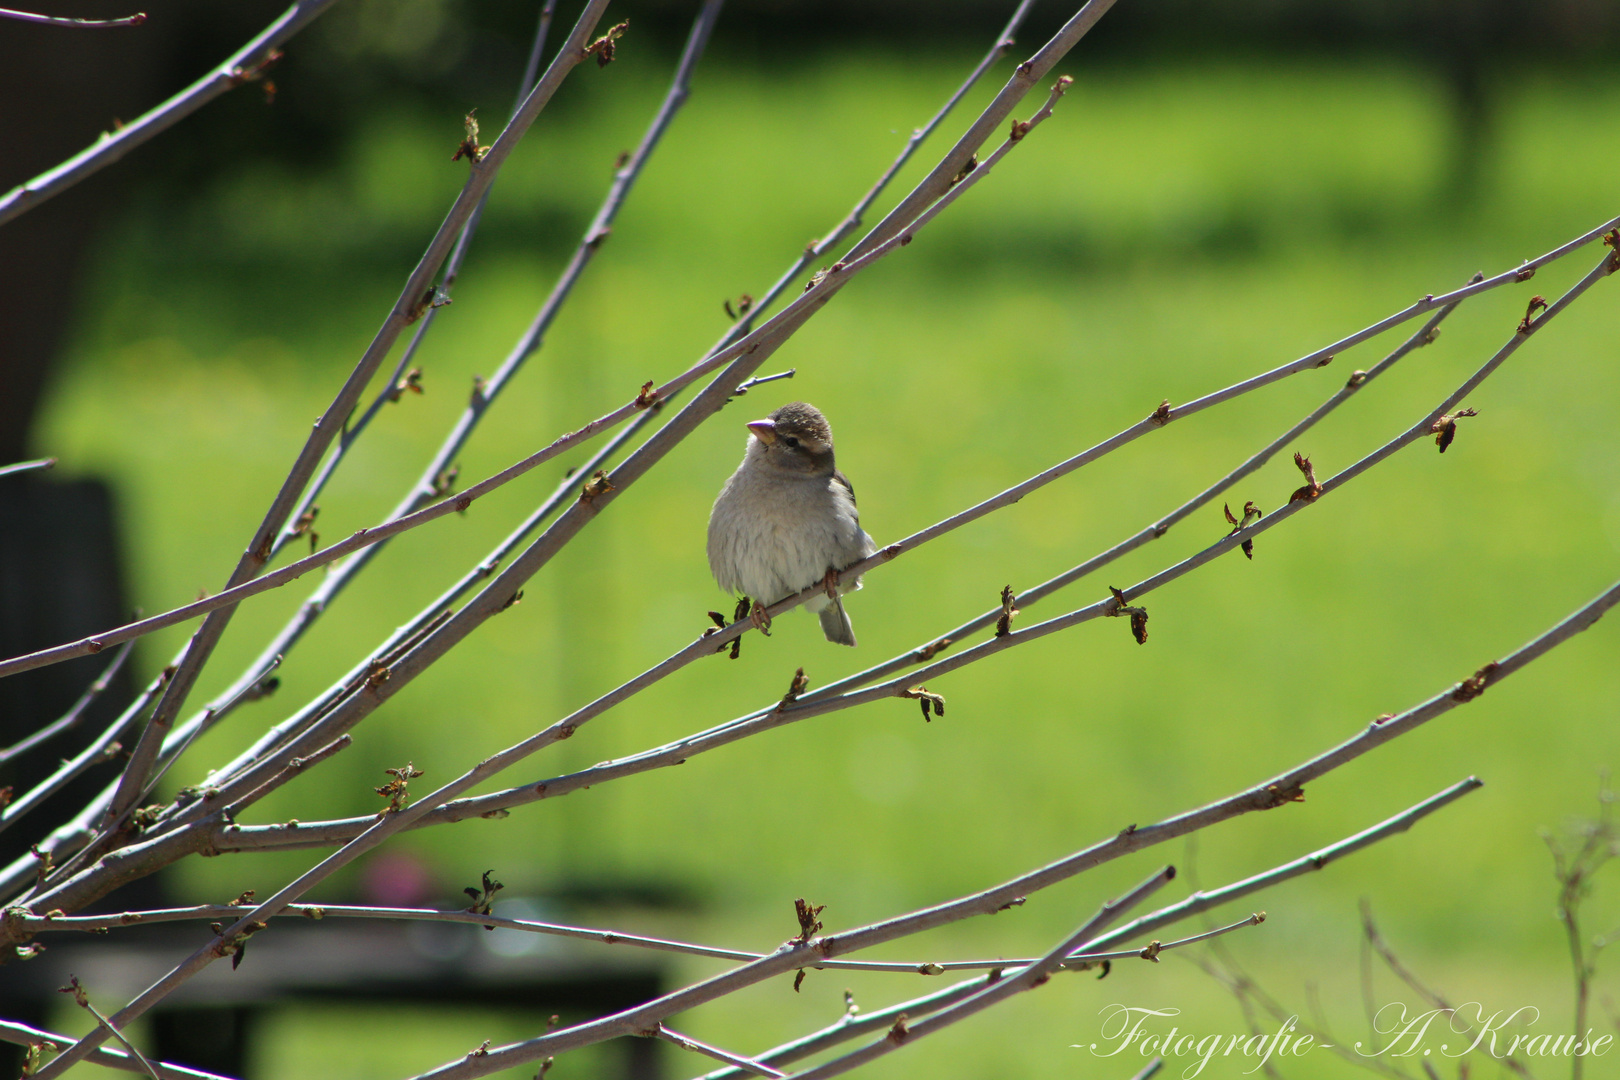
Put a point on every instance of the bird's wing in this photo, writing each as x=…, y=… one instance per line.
x=840, y=478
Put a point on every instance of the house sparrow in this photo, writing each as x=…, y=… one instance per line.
x=786, y=520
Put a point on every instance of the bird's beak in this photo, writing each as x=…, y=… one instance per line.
x=764, y=431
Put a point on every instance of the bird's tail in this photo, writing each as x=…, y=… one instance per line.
x=835, y=623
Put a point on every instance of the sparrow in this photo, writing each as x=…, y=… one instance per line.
x=786, y=519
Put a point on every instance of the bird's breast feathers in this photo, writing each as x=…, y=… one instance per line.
x=772, y=536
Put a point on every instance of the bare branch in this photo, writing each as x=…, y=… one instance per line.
x=686, y=1042
x=750, y=351
x=902, y=1033
x=18, y=920
x=851, y=1026
x=393, y=388
x=104, y=747
x=1277, y=791
x=28, y=466
x=83, y=24
x=852, y=221
x=238, y=68
x=83, y=1001
x=481, y=175
x=70, y=719
x=1203, y=901
x=428, y=486
x=23, y=1035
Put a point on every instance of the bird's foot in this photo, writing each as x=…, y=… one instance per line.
x=830, y=584
x=760, y=618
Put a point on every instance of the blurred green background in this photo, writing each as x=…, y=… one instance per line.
x=1187, y=218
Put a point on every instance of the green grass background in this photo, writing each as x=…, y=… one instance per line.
x=1169, y=231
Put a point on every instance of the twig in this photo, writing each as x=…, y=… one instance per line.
x=1277, y=791
x=54, y=923
x=1423, y=336
x=686, y=1042
x=70, y=837
x=1315, y=359
x=918, y=921
x=442, y=294
x=23, y=1035
x=713, y=642
x=82, y=999
x=28, y=466
x=104, y=747
x=1376, y=942
x=851, y=1026
x=84, y=24
x=1203, y=901
x=1574, y=872
x=852, y=221
x=238, y=68
x=198, y=650
x=211, y=717
x=1104, y=608
x=902, y=1033
x=70, y=719
x=294, y=768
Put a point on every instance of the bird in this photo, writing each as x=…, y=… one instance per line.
x=786, y=520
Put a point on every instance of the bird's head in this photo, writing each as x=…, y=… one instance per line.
x=793, y=439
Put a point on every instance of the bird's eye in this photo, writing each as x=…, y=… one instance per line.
x=792, y=443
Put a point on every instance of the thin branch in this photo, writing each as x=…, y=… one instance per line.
x=405, y=519
x=71, y=719
x=54, y=923
x=73, y=835
x=28, y=466
x=211, y=717
x=1165, y=415
x=1376, y=942
x=70, y=837
x=1007, y=894
x=83, y=24
x=853, y=220
x=365, y=537
x=790, y=956
x=851, y=1026
x=23, y=1035
x=855, y=1023
x=903, y=1034
x=1277, y=791
x=1114, y=604
x=1423, y=336
x=1204, y=901
x=198, y=650
x=242, y=66
x=1080, y=961
x=955, y=163
x=103, y=748
x=294, y=768
x=392, y=388
x=1249, y=994
x=494, y=598
x=686, y=1042
x=82, y=999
